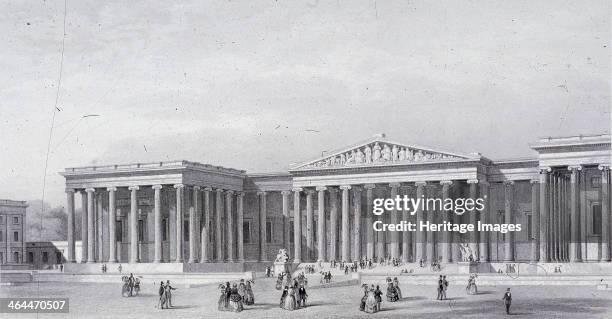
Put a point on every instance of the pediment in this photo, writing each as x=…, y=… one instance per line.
x=379, y=152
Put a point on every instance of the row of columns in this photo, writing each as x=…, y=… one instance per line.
x=199, y=232
x=375, y=242
x=560, y=228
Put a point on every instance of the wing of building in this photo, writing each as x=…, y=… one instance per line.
x=187, y=212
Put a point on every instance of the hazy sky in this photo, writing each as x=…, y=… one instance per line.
x=258, y=85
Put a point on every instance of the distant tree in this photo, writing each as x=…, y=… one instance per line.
x=54, y=222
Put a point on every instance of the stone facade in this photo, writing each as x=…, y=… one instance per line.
x=12, y=231
x=194, y=213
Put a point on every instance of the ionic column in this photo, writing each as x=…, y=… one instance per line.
x=309, y=225
x=70, y=211
x=431, y=236
x=297, y=227
x=484, y=218
x=84, y=227
x=263, y=244
x=179, y=222
x=112, y=220
x=346, y=253
x=555, y=216
x=193, y=227
x=394, y=220
x=605, y=214
x=100, y=228
x=447, y=235
x=133, y=224
x=286, y=218
x=583, y=218
x=544, y=248
x=229, y=195
x=474, y=235
x=369, y=228
x=333, y=223
x=508, y=202
x=205, y=233
x=420, y=236
x=91, y=258
x=535, y=221
x=406, y=240
x=240, y=213
x=357, y=223
x=321, y=224
x=157, y=257
x=218, y=214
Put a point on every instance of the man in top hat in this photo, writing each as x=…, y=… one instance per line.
x=507, y=300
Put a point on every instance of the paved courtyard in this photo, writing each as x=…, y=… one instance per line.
x=89, y=300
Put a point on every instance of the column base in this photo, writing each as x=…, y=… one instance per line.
x=112, y=261
x=192, y=261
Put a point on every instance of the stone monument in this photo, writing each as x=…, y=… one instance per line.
x=281, y=263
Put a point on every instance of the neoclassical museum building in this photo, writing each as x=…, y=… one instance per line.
x=321, y=210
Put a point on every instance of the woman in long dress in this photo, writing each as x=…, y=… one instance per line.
x=222, y=304
x=397, y=288
x=362, y=304
x=371, y=305
x=242, y=289
x=391, y=293
x=290, y=300
x=249, y=297
x=235, y=301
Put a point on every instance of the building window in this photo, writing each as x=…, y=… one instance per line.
x=291, y=232
x=16, y=257
x=268, y=232
x=45, y=258
x=30, y=257
x=185, y=230
x=165, y=229
x=141, y=230
x=596, y=219
x=58, y=257
x=16, y=236
x=246, y=232
x=119, y=231
x=16, y=220
x=529, y=230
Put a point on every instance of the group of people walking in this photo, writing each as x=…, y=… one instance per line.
x=234, y=296
x=293, y=297
x=372, y=296
x=165, y=295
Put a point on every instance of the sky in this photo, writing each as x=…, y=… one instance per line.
x=259, y=85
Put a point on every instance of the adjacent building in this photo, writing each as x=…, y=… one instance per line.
x=321, y=210
x=12, y=231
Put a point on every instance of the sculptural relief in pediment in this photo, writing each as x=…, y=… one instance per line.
x=379, y=153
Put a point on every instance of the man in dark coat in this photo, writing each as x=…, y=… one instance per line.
x=507, y=300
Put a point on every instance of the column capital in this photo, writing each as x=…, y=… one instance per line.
x=197, y=188
x=369, y=186
x=534, y=181
x=472, y=181
x=297, y=189
x=90, y=190
x=545, y=169
x=309, y=191
x=134, y=188
x=321, y=188
x=447, y=182
x=603, y=167
x=345, y=187
x=229, y=192
x=285, y=193
x=70, y=190
x=422, y=183
x=261, y=193
x=395, y=185
x=111, y=189
x=157, y=186
x=177, y=186
x=508, y=183
x=573, y=168
x=208, y=189
x=240, y=194
x=219, y=190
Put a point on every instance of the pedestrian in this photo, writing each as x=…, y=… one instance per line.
x=507, y=300
x=162, y=295
x=168, y=292
x=440, y=288
x=445, y=284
